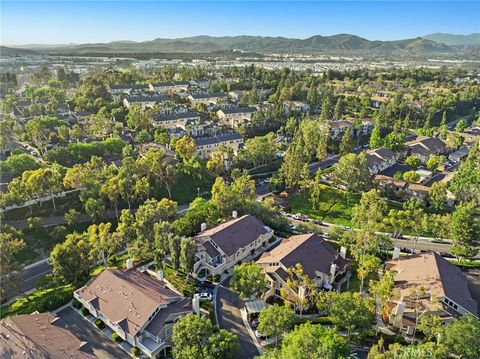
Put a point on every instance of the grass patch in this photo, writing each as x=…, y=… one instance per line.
x=465, y=264
x=185, y=189
x=334, y=207
x=40, y=300
x=179, y=280
x=40, y=242
x=45, y=209
x=354, y=281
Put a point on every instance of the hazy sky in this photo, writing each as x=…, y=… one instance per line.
x=54, y=22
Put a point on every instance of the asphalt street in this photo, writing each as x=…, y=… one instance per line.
x=228, y=306
x=97, y=342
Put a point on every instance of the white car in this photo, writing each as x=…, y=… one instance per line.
x=260, y=335
x=204, y=296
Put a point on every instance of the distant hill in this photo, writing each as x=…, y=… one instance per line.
x=455, y=40
x=195, y=44
x=10, y=51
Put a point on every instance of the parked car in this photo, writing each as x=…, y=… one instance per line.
x=292, y=226
x=260, y=335
x=301, y=217
x=447, y=255
x=204, y=296
x=254, y=323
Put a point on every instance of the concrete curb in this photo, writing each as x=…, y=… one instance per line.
x=250, y=331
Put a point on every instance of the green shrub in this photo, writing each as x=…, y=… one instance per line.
x=216, y=278
x=84, y=311
x=135, y=351
x=272, y=239
x=76, y=304
x=99, y=324
x=117, y=338
x=34, y=223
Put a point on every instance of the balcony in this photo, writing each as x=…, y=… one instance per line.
x=151, y=346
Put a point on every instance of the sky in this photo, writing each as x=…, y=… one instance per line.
x=63, y=22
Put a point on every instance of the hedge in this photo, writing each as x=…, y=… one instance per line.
x=84, y=311
x=117, y=338
x=135, y=351
x=76, y=304
x=99, y=324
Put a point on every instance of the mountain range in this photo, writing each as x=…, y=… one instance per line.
x=455, y=40
x=343, y=43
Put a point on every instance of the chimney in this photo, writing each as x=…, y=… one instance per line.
x=399, y=313
x=235, y=214
x=129, y=263
x=396, y=253
x=302, y=292
x=333, y=270
x=203, y=227
x=343, y=252
x=160, y=275
x=196, y=304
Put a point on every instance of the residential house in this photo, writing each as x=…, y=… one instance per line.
x=233, y=117
x=424, y=147
x=459, y=155
x=207, y=145
x=135, y=305
x=202, y=82
x=380, y=159
x=121, y=90
x=339, y=127
x=206, y=98
x=226, y=244
x=297, y=106
x=168, y=87
x=176, y=119
x=39, y=336
x=145, y=100
x=416, y=190
x=236, y=95
x=320, y=261
x=386, y=182
x=427, y=283
x=366, y=127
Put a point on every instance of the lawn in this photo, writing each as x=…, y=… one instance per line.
x=40, y=241
x=334, y=207
x=354, y=281
x=185, y=189
x=179, y=280
x=40, y=300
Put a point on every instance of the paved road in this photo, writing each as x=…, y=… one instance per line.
x=31, y=275
x=229, y=317
x=101, y=346
x=57, y=220
x=423, y=243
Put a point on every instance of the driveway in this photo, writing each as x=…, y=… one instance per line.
x=229, y=317
x=98, y=343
